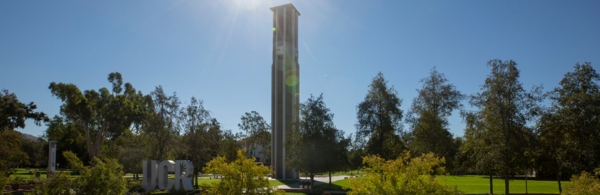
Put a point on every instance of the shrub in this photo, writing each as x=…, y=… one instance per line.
x=241, y=176
x=104, y=177
x=135, y=186
x=57, y=184
x=585, y=183
x=3, y=182
x=401, y=176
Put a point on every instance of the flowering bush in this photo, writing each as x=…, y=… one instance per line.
x=585, y=183
x=401, y=176
x=241, y=176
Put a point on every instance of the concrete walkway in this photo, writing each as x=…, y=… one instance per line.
x=318, y=181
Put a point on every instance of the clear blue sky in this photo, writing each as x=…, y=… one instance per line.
x=220, y=51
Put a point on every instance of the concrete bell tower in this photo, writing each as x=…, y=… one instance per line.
x=285, y=84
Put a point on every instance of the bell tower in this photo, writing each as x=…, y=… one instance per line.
x=285, y=84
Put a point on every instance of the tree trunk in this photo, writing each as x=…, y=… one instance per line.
x=506, y=183
x=491, y=185
x=312, y=182
x=525, y=182
x=330, y=180
x=558, y=179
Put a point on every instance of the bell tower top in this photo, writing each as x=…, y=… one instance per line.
x=289, y=5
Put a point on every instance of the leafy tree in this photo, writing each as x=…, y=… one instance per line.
x=101, y=115
x=10, y=151
x=202, y=135
x=568, y=131
x=33, y=148
x=240, y=176
x=257, y=132
x=379, y=117
x=13, y=113
x=131, y=153
x=160, y=124
x=401, y=176
x=70, y=137
x=315, y=144
x=428, y=117
x=505, y=108
x=229, y=145
x=478, y=149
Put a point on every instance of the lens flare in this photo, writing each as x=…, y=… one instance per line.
x=291, y=78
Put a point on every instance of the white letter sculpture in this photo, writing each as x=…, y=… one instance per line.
x=156, y=173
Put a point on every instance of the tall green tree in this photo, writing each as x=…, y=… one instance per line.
x=428, y=117
x=379, y=116
x=505, y=108
x=101, y=115
x=160, y=125
x=201, y=135
x=13, y=114
x=257, y=132
x=317, y=145
x=479, y=151
x=569, y=132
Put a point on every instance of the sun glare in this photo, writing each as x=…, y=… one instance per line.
x=248, y=4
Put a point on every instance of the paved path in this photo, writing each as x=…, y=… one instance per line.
x=318, y=181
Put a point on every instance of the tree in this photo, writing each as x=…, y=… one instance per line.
x=428, y=117
x=229, y=145
x=568, y=131
x=202, y=135
x=13, y=113
x=102, y=116
x=315, y=144
x=257, y=132
x=401, y=176
x=379, y=117
x=69, y=135
x=478, y=149
x=160, y=124
x=505, y=108
x=240, y=176
x=10, y=150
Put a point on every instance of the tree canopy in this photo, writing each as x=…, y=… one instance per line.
x=379, y=116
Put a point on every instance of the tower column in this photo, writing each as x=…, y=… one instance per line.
x=285, y=85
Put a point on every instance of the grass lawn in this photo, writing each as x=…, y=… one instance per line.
x=26, y=174
x=479, y=184
x=336, y=186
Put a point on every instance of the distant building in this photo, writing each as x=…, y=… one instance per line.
x=256, y=151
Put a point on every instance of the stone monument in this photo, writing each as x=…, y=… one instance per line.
x=51, y=158
x=285, y=84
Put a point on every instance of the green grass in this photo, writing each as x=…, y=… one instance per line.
x=26, y=174
x=336, y=186
x=479, y=184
